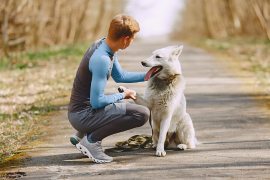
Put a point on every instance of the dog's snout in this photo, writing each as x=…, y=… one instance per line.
x=143, y=63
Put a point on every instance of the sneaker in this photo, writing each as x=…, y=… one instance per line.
x=75, y=139
x=93, y=150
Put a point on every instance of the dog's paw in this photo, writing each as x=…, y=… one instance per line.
x=121, y=89
x=161, y=153
x=182, y=146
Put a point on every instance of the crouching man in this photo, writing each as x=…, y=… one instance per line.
x=93, y=114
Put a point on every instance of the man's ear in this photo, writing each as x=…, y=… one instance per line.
x=177, y=51
x=126, y=38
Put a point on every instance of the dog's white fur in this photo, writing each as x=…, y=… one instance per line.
x=171, y=124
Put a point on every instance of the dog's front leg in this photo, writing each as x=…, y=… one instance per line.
x=140, y=100
x=164, y=126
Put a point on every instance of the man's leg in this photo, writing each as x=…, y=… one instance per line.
x=136, y=116
x=76, y=138
x=90, y=145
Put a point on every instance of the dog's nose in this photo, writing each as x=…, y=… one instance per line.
x=143, y=63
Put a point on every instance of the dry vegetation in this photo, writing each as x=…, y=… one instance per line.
x=28, y=93
x=237, y=28
x=253, y=55
x=33, y=23
x=37, y=73
x=223, y=18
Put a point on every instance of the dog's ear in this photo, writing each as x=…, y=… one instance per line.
x=177, y=51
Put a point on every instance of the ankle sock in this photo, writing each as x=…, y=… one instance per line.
x=90, y=140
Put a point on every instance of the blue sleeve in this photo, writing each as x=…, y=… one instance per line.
x=121, y=76
x=100, y=68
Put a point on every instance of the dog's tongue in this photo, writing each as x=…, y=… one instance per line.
x=150, y=72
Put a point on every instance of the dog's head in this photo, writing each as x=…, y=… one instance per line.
x=164, y=62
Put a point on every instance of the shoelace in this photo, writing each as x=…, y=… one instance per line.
x=100, y=148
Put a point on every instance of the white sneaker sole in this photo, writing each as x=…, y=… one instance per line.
x=78, y=148
x=86, y=152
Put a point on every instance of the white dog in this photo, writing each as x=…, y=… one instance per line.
x=171, y=124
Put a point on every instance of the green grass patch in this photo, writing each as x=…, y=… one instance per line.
x=71, y=50
x=32, y=59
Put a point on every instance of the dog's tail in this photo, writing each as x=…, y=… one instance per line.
x=197, y=142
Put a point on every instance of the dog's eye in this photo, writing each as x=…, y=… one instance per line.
x=158, y=56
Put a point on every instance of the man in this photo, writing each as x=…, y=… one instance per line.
x=93, y=114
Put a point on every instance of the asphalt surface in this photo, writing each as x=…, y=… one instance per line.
x=227, y=115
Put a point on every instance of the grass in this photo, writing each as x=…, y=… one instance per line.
x=31, y=59
x=252, y=53
x=33, y=84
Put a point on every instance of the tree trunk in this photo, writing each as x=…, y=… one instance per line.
x=100, y=17
x=261, y=18
x=4, y=29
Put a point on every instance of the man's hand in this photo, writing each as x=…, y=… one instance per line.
x=127, y=92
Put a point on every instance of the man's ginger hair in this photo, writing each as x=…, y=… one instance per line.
x=122, y=25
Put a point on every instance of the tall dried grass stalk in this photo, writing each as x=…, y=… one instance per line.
x=32, y=23
x=223, y=18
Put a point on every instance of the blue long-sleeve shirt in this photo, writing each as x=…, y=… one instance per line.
x=96, y=67
x=100, y=66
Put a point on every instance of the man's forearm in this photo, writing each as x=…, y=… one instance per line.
x=129, y=77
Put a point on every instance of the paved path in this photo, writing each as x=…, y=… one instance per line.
x=234, y=131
